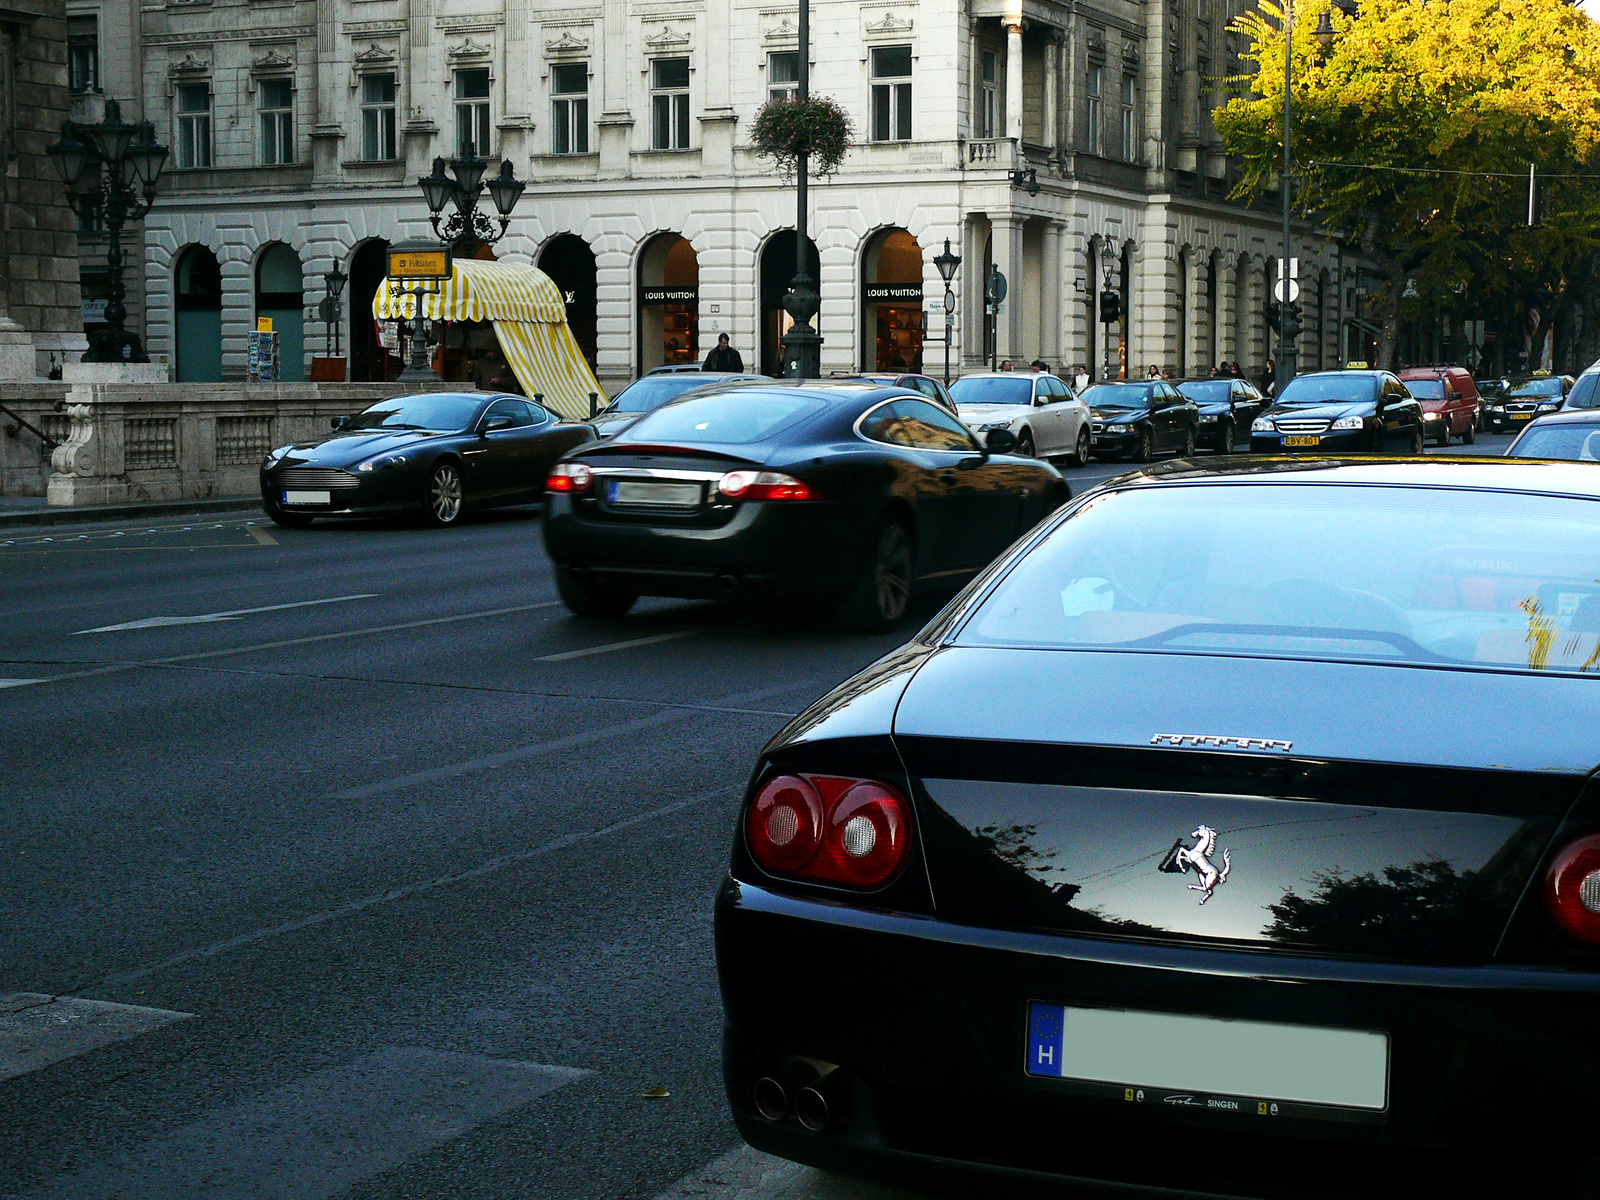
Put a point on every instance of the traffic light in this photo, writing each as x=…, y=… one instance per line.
x=1293, y=325
x=1110, y=306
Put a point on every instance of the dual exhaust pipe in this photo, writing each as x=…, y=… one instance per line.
x=811, y=1092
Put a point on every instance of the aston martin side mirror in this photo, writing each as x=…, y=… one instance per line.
x=337, y=422
x=493, y=424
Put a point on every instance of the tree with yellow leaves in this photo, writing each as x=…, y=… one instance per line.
x=1412, y=133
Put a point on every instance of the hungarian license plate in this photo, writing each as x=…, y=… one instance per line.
x=672, y=495
x=1302, y=441
x=1254, y=1068
x=1521, y=416
x=308, y=497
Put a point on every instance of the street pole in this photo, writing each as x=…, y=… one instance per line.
x=802, y=345
x=1286, y=348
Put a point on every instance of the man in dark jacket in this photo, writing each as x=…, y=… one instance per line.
x=724, y=357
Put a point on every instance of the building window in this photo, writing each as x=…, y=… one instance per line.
x=1127, y=118
x=669, y=104
x=1091, y=89
x=569, y=108
x=891, y=93
x=783, y=75
x=472, y=113
x=83, y=54
x=378, y=118
x=194, y=125
x=989, y=95
x=275, y=99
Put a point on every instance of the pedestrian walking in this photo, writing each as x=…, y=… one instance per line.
x=724, y=358
x=1269, y=378
x=1080, y=379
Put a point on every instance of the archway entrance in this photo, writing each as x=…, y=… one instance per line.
x=197, y=324
x=370, y=361
x=278, y=297
x=891, y=303
x=777, y=272
x=570, y=264
x=669, y=303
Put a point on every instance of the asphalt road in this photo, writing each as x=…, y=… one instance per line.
x=343, y=862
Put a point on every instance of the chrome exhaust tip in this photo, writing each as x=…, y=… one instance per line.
x=811, y=1109
x=772, y=1102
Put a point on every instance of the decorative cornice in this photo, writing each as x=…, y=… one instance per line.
x=476, y=23
x=889, y=26
x=367, y=28
x=271, y=61
x=375, y=56
x=567, y=44
x=468, y=50
x=190, y=65
x=785, y=31
x=667, y=40
x=282, y=33
x=1130, y=54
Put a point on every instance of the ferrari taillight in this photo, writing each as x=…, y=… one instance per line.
x=1572, y=890
x=569, y=477
x=763, y=485
x=831, y=829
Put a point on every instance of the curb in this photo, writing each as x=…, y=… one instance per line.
x=93, y=513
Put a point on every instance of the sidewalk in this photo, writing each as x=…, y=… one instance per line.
x=22, y=511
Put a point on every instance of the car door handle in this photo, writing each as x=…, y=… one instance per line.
x=949, y=475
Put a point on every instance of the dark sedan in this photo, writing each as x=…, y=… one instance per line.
x=1526, y=398
x=1227, y=408
x=1139, y=420
x=1571, y=435
x=1336, y=412
x=846, y=496
x=652, y=391
x=1150, y=862
x=439, y=454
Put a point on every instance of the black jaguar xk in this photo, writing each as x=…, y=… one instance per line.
x=438, y=454
x=1154, y=863
x=844, y=495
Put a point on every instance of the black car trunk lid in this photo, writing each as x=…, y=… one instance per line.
x=1229, y=801
x=654, y=484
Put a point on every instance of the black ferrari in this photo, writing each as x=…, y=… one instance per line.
x=438, y=453
x=842, y=495
x=1153, y=863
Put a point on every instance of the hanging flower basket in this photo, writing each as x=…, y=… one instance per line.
x=786, y=129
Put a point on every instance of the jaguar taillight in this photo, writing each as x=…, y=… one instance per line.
x=569, y=477
x=830, y=829
x=1572, y=890
x=764, y=485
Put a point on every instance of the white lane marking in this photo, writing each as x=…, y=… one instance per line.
x=747, y=1174
x=609, y=647
x=5, y=683
x=322, y=1134
x=572, y=741
x=232, y=614
x=37, y=1030
x=488, y=867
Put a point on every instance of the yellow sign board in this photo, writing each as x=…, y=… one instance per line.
x=1355, y=366
x=407, y=263
x=263, y=324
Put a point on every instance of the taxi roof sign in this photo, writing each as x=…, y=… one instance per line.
x=1356, y=366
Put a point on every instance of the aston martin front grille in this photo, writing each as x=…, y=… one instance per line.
x=1302, y=426
x=318, y=478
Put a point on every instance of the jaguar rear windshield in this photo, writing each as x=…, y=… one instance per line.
x=1355, y=573
x=1329, y=389
x=736, y=418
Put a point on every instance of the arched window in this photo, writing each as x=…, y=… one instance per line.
x=197, y=316
x=777, y=272
x=278, y=298
x=891, y=309
x=669, y=302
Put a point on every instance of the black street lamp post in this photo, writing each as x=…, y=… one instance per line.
x=462, y=230
x=948, y=263
x=802, y=345
x=110, y=169
x=331, y=307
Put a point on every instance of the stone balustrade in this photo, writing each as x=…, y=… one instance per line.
x=124, y=442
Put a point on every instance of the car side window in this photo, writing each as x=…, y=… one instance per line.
x=1056, y=389
x=926, y=387
x=517, y=410
x=918, y=425
x=536, y=415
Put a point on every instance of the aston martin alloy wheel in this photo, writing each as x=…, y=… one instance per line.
x=445, y=497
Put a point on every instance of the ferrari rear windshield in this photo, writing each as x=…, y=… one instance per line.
x=734, y=418
x=1496, y=580
x=418, y=412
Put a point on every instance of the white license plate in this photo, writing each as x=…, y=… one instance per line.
x=675, y=495
x=308, y=497
x=1210, y=1062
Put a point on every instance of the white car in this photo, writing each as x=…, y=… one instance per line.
x=1047, y=420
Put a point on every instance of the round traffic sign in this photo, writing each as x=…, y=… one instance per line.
x=949, y=300
x=995, y=289
x=1278, y=288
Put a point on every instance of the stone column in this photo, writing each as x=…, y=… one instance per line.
x=1222, y=324
x=517, y=124
x=1050, y=282
x=1198, y=353
x=419, y=127
x=1155, y=300
x=970, y=293
x=1008, y=255
x=615, y=123
x=1075, y=314
x=1014, y=81
x=1050, y=125
x=327, y=131
x=1252, y=343
x=16, y=347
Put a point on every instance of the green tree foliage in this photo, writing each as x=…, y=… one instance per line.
x=1413, y=130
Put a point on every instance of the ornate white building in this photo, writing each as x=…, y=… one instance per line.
x=298, y=130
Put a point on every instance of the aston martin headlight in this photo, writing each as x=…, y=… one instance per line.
x=1349, y=423
x=1261, y=425
x=1119, y=428
x=383, y=462
x=274, y=455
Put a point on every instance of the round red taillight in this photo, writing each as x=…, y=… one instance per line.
x=784, y=825
x=1572, y=890
x=867, y=838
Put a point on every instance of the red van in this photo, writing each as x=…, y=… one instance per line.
x=1449, y=402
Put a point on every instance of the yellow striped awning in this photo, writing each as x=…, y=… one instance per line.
x=530, y=323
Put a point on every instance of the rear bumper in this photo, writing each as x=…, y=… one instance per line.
x=809, y=548
x=926, y=1021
